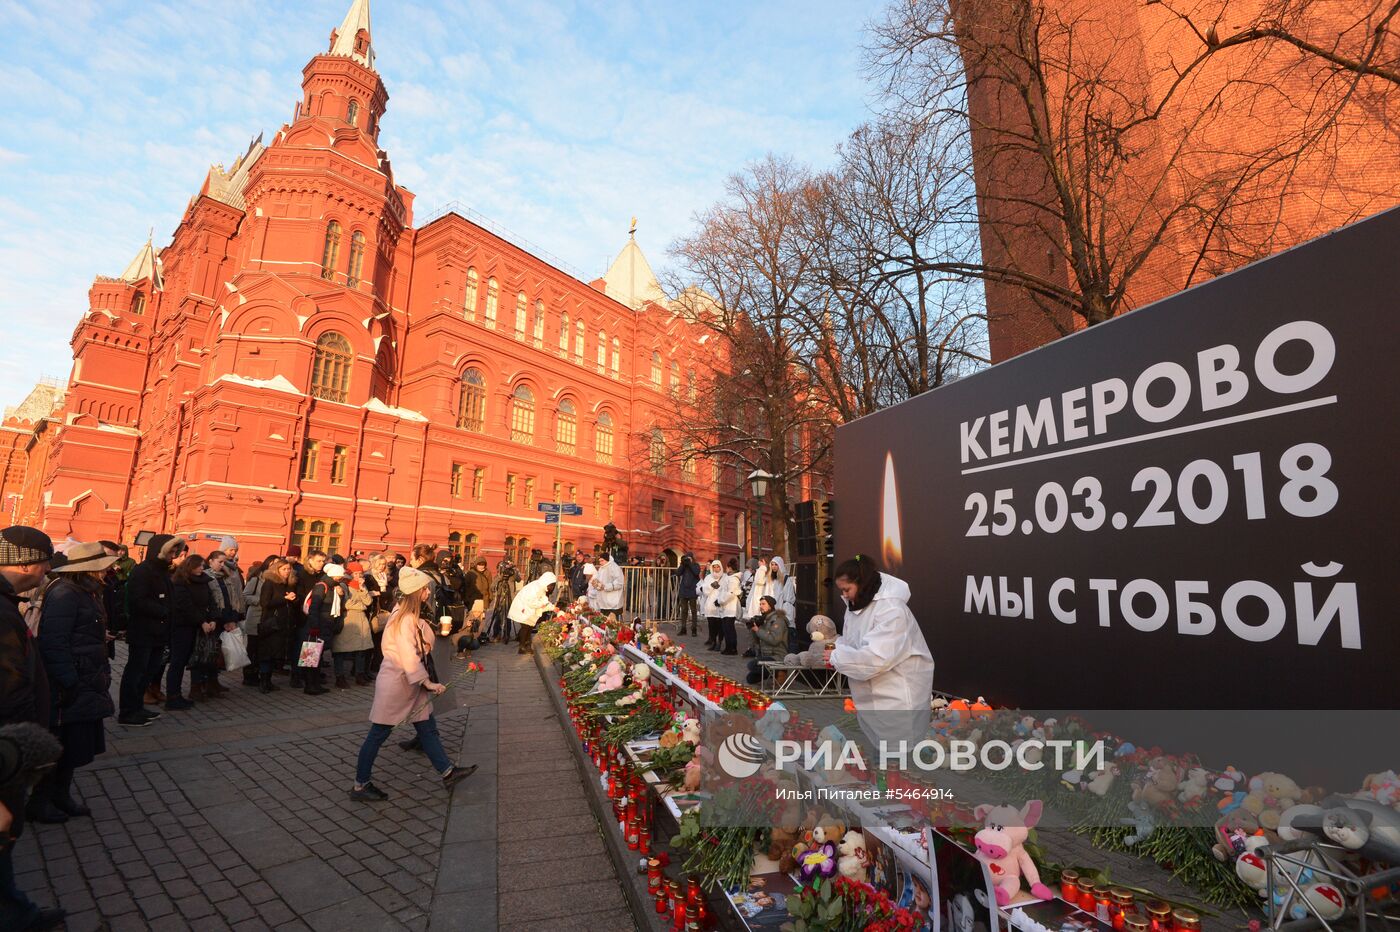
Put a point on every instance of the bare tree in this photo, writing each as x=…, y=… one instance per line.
x=894, y=322
x=746, y=273
x=1102, y=171
x=1362, y=40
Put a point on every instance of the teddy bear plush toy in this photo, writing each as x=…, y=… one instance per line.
x=855, y=858
x=823, y=632
x=1161, y=783
x=1195, y=785
x=613, y=676
x=1270, y=794
x=1001, y=846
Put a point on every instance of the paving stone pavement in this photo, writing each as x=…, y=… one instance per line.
x=234, y=815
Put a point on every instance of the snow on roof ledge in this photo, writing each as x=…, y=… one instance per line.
x=374, y=404
x=277, y=383
x=119, y=429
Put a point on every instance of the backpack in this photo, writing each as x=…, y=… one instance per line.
x=306, y=602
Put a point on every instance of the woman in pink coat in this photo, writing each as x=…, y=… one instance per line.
x=404, y=689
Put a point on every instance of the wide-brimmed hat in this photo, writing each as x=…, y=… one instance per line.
x=85, y=558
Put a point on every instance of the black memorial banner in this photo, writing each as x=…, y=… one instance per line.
x=1194, y=505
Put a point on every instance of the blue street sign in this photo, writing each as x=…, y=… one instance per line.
x=551, y=519
x=551, y=508
x=569, y=508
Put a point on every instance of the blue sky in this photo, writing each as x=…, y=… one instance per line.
x=557, y=120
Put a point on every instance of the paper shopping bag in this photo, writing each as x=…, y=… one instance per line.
x=311, y=654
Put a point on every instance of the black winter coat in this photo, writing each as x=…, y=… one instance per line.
x=578, y=580
x=687, y=576
x=73, y=644
x=193, y=603
x=321, y=619
x=22, y=680
x=148, y=596
x=279, y=618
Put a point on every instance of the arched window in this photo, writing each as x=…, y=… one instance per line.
x=469, y=302
x=510, y=548
x=603, y=438
x=564, y=333
x=578, y=341
x=538, y=331
x=675, y=378
x=357, y=259
x=471, y=409
x=330, y=369
x=471, y=546
x=352, y=110
x=657, y=451
x=566, y=427
x=522, y=415
x=493, y=296
x=616, y=357
x=602, y=349
x=138, y=304
x=331, y=254
x=521, y=310
x=522, y=552
x=656, y=368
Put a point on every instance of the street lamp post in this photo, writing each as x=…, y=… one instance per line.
x=758, y=483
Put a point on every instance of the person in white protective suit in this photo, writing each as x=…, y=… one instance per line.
x=605, y=587
x=533, y=601
x=760, y=585
x=883, y=654
x=782, y=586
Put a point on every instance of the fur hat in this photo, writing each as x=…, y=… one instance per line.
x=411, y=580
x=23, y=546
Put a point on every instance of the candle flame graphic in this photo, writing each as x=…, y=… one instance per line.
x=889, y=518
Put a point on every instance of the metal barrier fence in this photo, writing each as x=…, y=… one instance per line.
x=651, y=592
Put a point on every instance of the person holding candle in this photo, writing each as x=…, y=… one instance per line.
x=403, y=691
x=882, y=653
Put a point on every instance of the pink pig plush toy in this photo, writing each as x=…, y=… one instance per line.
x=1000, y=845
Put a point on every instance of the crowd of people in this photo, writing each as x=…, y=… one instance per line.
x=365, y=619
x=361, y=620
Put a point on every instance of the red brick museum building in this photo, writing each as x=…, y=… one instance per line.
x=303, y=364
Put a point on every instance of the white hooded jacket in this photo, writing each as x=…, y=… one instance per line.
x=883, y=653
x=785, y=592
x=758, y=588
x=722, y=602
x=607, y=594
x=532, y=601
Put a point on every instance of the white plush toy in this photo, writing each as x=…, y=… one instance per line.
x=1195, y=784
x=690, y=731
x=855, y=860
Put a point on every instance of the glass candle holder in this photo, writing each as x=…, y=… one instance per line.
x=1068, y=881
